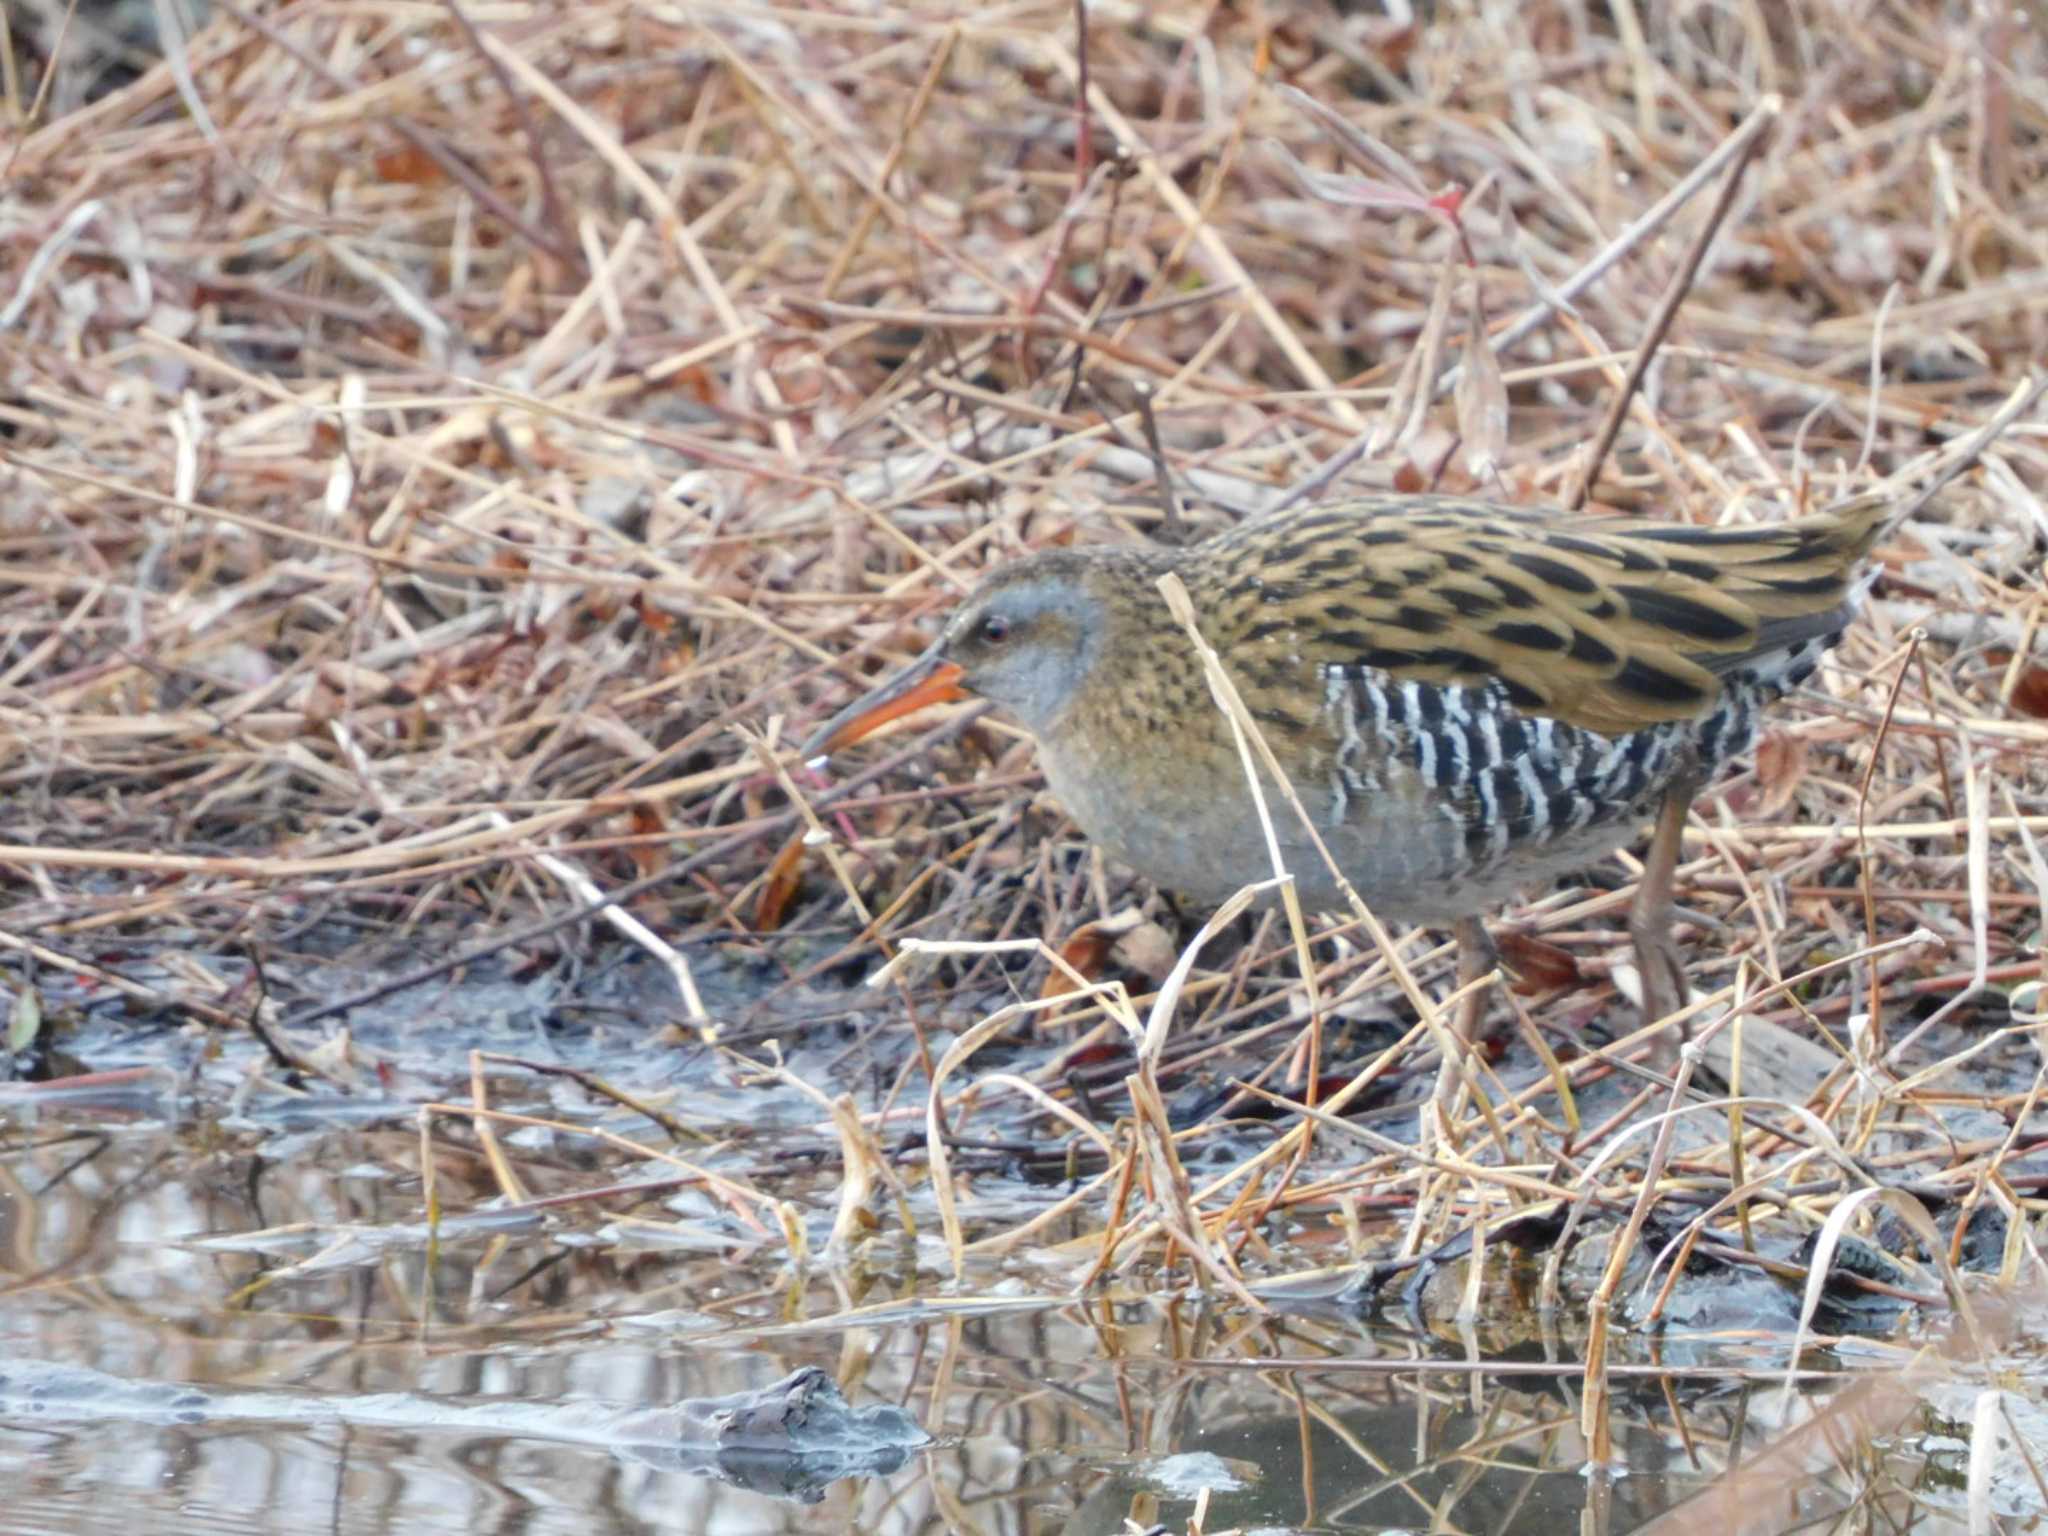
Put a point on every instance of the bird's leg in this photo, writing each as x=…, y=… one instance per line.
x=1658, y=961
x=1476, y=957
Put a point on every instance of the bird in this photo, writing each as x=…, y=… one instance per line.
x=1469, y=698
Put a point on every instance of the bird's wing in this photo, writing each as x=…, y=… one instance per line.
x=1607, y=623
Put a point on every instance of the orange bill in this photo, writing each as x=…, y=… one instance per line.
x=927, y=680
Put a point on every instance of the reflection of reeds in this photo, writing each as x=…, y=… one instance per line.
x=412, y=471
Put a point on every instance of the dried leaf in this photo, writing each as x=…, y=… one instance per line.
x=410, y=165
x=1148, y=951
x=1087, y=951
x=653, y=618
x=1781, y=761
x=647, y=854
x=780, y=887
x=1537, y=966
x=1429, y=347
x=2030, y=692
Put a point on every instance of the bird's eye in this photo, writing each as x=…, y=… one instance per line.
x=995, y=627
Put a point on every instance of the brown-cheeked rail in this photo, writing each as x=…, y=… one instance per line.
x=1468, y=698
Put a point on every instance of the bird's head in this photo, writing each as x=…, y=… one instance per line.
x=1027, y=638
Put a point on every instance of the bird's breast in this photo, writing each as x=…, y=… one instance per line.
x=1176, y=807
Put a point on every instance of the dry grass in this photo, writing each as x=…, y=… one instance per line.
x=429, y=440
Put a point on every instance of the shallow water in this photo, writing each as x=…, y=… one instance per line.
x=224, y=1310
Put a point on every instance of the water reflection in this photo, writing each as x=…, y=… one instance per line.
x=334, y=1371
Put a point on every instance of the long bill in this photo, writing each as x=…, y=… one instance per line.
x=927, y=680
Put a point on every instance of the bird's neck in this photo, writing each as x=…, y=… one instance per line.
x=1143, y=683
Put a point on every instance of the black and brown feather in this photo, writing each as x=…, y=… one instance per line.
x=1606, y=623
